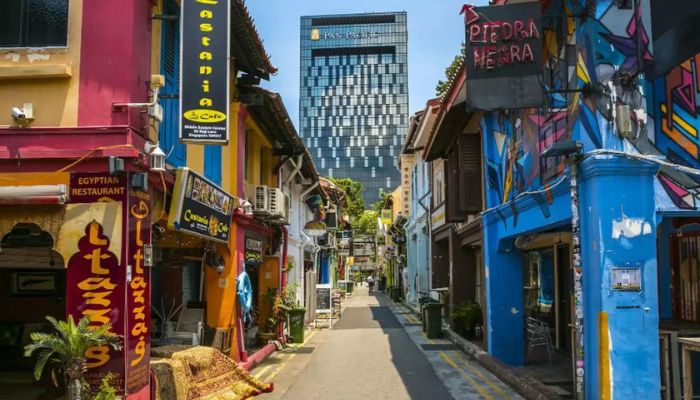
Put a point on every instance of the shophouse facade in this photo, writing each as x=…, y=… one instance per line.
x=417, y=226
x=606, y=261
x=79, y=179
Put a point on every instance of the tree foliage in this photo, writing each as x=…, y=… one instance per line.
x=353, y=190
x=450, y=73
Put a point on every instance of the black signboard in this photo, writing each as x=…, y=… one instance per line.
x=323, y=298
x=253, y=251
x=200, y=207
x=503, y=56
x=204, y=71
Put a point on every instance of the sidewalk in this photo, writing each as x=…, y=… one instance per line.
x=526, y=386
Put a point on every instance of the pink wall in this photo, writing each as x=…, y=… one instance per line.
x=115, y=61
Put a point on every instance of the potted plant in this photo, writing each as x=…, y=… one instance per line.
x=467, y=319
x=65, y=350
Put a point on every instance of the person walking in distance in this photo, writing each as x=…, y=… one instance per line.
x=370, y=283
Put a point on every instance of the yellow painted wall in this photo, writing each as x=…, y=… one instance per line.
x=48, y=78
x=397, y=201
x=268, y=277
x=258, y=152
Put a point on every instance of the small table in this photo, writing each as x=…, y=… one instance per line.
x=688, y=344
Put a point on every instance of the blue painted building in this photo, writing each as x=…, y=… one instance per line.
x=638, y=202
x=417, y=228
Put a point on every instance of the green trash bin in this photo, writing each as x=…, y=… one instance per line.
x=349, y=286
x=296, y=324
x=433, y=323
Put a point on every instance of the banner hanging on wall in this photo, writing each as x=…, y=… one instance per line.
x=204, y=71
x=503, y=56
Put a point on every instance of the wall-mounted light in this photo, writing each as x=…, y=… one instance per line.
x=156, y=157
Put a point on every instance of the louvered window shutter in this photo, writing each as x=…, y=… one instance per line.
x=470, y=200
x=453, y=211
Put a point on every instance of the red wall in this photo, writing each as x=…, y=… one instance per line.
x=114, y=61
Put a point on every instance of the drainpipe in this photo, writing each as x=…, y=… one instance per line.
x=297, y=167
x=283, y=276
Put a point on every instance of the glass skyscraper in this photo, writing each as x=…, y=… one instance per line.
x=354, y=96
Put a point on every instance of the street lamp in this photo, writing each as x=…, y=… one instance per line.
x=572, y=151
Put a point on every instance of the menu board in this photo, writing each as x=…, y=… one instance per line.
x=200, y=207
x=323, y=298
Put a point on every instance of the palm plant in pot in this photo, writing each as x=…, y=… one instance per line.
x=65, y=350
x=467, y=319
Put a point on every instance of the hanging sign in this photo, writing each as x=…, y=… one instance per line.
x=503, y=56
x=204, y=71
x=200, y=207
x=253, y=251
x=138, y=297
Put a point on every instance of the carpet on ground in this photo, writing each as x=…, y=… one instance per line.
x=201, y=373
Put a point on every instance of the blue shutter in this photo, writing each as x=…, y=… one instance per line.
x=212, y=163
x=169, y=95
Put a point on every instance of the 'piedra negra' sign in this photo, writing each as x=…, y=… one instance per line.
x=204, y=71
x=503, y=56
x=200, y=208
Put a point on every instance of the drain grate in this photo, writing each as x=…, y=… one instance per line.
x=412, y=323
x=438, y=347
x=304, y=350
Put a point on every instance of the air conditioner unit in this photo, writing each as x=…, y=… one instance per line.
x=277, y=203
x=258, y=196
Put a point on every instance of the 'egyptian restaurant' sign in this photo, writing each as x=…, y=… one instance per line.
x=204, y=71
x=200, y=207
x=503, y=56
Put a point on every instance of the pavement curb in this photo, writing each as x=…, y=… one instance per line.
x=527, y=387
x=259, y=356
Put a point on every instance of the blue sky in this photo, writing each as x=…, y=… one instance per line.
x=435, y=31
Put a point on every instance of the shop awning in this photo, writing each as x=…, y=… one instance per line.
x=37, y=194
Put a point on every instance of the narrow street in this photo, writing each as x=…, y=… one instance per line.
x=377, y=350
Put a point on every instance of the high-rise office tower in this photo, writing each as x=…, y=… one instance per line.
x=354, y=96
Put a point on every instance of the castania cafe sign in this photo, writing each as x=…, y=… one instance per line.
x=503, y=56
x=200, y=207
x=204, y=71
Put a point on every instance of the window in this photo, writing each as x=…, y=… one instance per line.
x=34, y=23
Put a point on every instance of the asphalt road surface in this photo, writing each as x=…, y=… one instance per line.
x=377, y=350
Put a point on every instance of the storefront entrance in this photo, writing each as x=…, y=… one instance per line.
x=548, y=293
x=34, y=286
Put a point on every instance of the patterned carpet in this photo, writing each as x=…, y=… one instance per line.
x=201, y=373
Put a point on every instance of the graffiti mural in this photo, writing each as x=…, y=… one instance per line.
x=612, y=51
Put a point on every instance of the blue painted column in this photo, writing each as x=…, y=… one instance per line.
x=504, y=297
x=618, y=230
